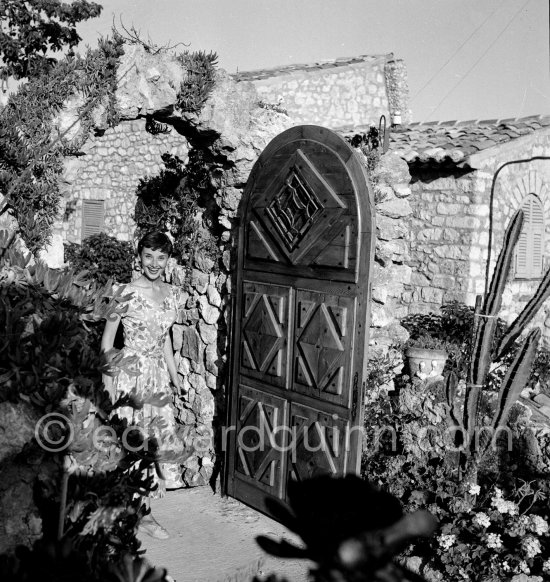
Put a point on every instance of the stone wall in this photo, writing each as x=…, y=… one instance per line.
x=448, y=232
x=391, y=271
x=345, y=92
x=110, y=170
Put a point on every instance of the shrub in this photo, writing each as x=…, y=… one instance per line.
x=52, y=365
x=104, y=257
x=494, y=539
x=490, y=535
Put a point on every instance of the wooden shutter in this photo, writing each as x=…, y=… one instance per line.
x=530, y=247
x=93, y=214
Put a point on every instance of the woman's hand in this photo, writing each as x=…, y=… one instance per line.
x=178, y=385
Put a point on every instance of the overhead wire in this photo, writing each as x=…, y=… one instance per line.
x=455, y=53
x=481, y=57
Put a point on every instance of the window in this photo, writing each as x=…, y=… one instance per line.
x=93, y=214
x=530, y=246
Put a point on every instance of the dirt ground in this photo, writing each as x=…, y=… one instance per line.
x=212, y=540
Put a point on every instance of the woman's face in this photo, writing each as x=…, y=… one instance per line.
x=153, y=263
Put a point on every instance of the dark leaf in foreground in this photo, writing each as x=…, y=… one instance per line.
x=349, y=528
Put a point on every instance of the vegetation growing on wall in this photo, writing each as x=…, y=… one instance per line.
x=30, y=152
x=197, y=86
x=178, y=200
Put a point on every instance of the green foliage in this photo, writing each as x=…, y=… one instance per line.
x=428, y=342
x=197, y=86
x=179, y=200
x=63, y=562
x=409, y=452
x=382, y=367
x=495, y=539
x=349, y=529
x=540, y=373
x=450, y=330
x=104, y=256
x=453, y=325
x=51, y=363
x=488, y=349
x=33, y=29
x=30, y=152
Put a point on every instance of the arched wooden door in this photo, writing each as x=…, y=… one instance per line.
x=300, y=315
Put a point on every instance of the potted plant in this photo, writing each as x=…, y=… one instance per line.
x=426, y=356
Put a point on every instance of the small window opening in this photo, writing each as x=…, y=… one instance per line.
x=529, y=256
x=93, y=217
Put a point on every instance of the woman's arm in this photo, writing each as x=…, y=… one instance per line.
x=171, y=364
x=107, y=341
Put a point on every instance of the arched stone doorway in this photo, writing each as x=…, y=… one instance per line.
x=300, y=317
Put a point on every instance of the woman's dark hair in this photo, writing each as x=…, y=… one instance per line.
x=156, y=241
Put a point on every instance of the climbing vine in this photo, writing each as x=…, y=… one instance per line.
x=179, y=200
x=30, y=151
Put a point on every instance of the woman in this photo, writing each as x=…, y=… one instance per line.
x=151, y=311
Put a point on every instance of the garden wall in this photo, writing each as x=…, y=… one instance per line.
x=344, y=92
x=448, y=232
x=109, y=171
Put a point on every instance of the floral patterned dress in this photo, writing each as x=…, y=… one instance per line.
x=146, y=324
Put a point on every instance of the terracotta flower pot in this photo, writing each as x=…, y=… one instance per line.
x=426, y=363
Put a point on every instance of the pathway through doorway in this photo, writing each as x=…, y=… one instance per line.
x=212, y=540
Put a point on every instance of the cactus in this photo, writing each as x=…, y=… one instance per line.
x=486, y=351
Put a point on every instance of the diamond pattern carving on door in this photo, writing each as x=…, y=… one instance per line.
x=264, y=332
x=294, y=210
x=297, y=209
x=259, y=440
x=322, y=342
x=320, y=441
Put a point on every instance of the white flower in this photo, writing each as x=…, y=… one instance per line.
x=482, y=519
x=498, y=493
x=519, y=527
x=503, y=506
x=531, y=545
x=494, y=541
x=538, y=525
x=524, y=567
x=505, y=566
x=546, y=566
x=474, y=489
x=446, y=540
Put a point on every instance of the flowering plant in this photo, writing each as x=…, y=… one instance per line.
x=495, y=539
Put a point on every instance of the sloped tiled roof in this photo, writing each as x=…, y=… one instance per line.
x=298, y=68
x=453, y=142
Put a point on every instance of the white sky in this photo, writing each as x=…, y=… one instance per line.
x=500, y=70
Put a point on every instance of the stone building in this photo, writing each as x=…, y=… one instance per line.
x=335, y=93
x=467, y=180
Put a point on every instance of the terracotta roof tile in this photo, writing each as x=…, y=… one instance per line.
x=454, y=142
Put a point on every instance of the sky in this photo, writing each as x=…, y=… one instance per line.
x=466, y=59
